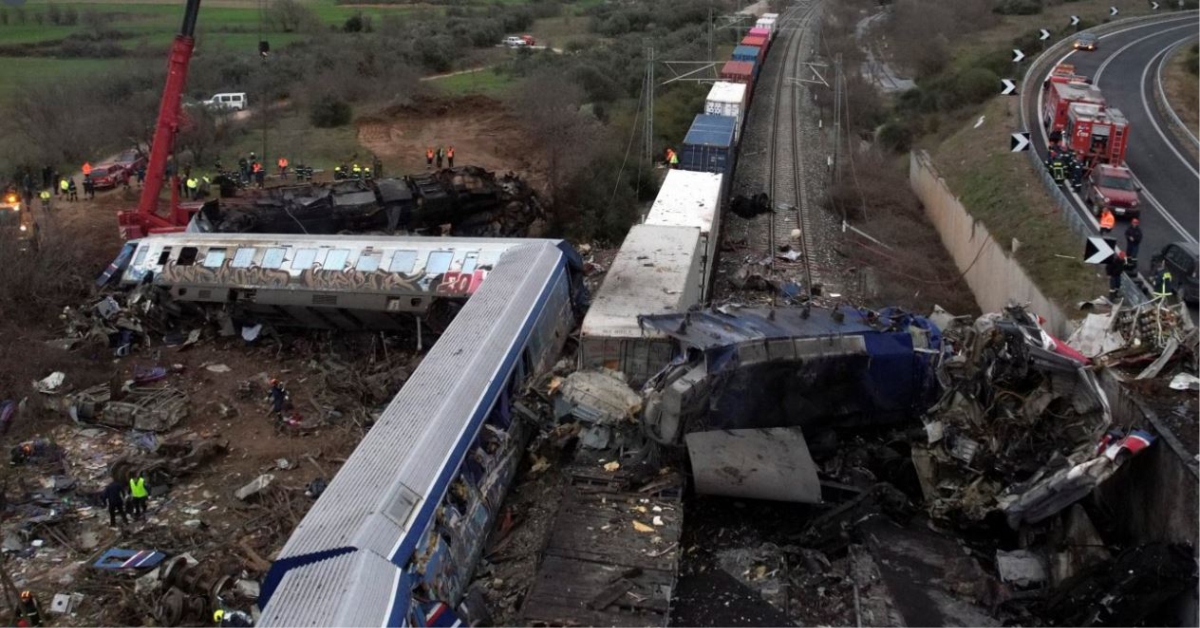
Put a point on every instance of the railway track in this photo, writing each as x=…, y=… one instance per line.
x=786, y=184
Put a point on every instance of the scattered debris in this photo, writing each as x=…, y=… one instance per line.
x=255, y=487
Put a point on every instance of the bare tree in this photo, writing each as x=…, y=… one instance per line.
x=549, y=108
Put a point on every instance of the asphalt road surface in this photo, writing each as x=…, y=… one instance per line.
x=1125, y=68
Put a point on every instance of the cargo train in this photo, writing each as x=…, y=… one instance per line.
x=665, y=265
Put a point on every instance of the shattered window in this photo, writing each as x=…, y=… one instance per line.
x=304, y=259
x=273, y=258
x=336, y=259
x=439, y=262
x=164, y=256
x=214, y=258
x=403, y=262
x=187, y=256
x=243, y=257
x=368, y=262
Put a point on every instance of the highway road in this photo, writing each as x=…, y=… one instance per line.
x=1125, y=67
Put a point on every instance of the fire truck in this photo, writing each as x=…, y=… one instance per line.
x=1080, y=121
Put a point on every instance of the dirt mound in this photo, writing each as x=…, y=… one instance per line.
x=482, y=131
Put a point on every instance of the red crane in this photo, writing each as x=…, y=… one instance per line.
x=146, y=219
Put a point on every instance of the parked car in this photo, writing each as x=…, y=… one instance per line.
x=1112, y=186
x=529, y=40
x=514, y=42
x=1086, y=41
x=233, y=100
x=131, y=160
x=107, y=176
x=1181, y=260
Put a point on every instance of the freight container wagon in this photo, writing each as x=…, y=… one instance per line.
x=768, y=24
x=693, y=199
x=764, y=33
x=748, y=53
x=729, y=99
x=756, y=41
x=739, y=72
x=656, y=271
x=709, y=145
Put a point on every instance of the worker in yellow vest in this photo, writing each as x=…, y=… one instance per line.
x=63, y=186
x=193, y=187
x=138, y=496
x=45, y=196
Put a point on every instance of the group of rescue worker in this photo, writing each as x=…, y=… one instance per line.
x=125, y=498
x=355, y=172
x=439, y=155
x=1066, y=166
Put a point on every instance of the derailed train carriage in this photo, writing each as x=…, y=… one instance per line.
x=394, y=538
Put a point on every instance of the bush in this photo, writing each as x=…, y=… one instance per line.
x=1018, y=7
x=896, y=136
x=1193, y=60
x=329, y=111
x=977, y=85
x=357, y=23
x=290, y=16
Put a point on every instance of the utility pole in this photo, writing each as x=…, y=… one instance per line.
x=837, y=113
x=712, y=26
x=650, y=104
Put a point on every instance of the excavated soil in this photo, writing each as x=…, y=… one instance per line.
x=482, y=131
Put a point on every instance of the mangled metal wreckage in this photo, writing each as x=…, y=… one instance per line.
x=1014, y=420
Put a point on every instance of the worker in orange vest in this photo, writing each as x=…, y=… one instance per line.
x=450, y=157
x=87, y=168
x=1107, y=221
x=283, y=164
x=428, y=156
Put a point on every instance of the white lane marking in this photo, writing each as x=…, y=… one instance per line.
x=1120, y=51
x=1087, y=214
x=1149, y=114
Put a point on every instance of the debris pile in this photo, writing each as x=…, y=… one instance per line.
x=463, y=201
x=1148, y=337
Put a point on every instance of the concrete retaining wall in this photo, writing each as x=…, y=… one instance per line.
x=993, y=275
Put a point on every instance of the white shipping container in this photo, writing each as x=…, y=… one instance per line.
x=727, y=99
x=770, y=16
x=768, y=24
x=693, y=199
x=657, y=271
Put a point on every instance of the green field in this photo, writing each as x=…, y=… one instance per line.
x=291, y=135
x=15, y=71
x=487, y=81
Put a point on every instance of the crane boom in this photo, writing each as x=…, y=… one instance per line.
x=145, y=219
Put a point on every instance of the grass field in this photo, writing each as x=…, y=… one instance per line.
x=15, y=71
x=291, y=135
x=488, y=82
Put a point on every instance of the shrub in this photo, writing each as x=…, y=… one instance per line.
x=1018, y=7
x=895, y=135
x=976, y=85
x=329, y=111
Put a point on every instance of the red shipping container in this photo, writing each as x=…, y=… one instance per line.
x=757, y=42
x=738, y=72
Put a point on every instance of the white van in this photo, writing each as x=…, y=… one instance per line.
x=514, y=42
x=227, y=101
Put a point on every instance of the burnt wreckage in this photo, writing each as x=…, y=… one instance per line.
x=470, y=200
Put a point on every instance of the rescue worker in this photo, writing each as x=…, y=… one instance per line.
x=428, y=156
x=338, y=173
x=366, y=173
x=138, y=495
x=356, y=171
x=1114, y=268
x=439, y=155
x=1076, y=173
x=28, y=609
x=193, y=187
x=1133, y=242
x=450, y=157
x=278, y=396
x=377, y=165
x=63, y=188
x=1164, y=284
x=205, y=186
x=244, y=169
x=87, y=168
x=141, y=175
x=283, y=164
x=1058, y=167
x=674, y=162
x=260, y=177
x=239, y=619
x=72, y=191
x=667, y=155
x=45, y=196
x=1107, y=221
x=114, y=498
x=89, y=187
